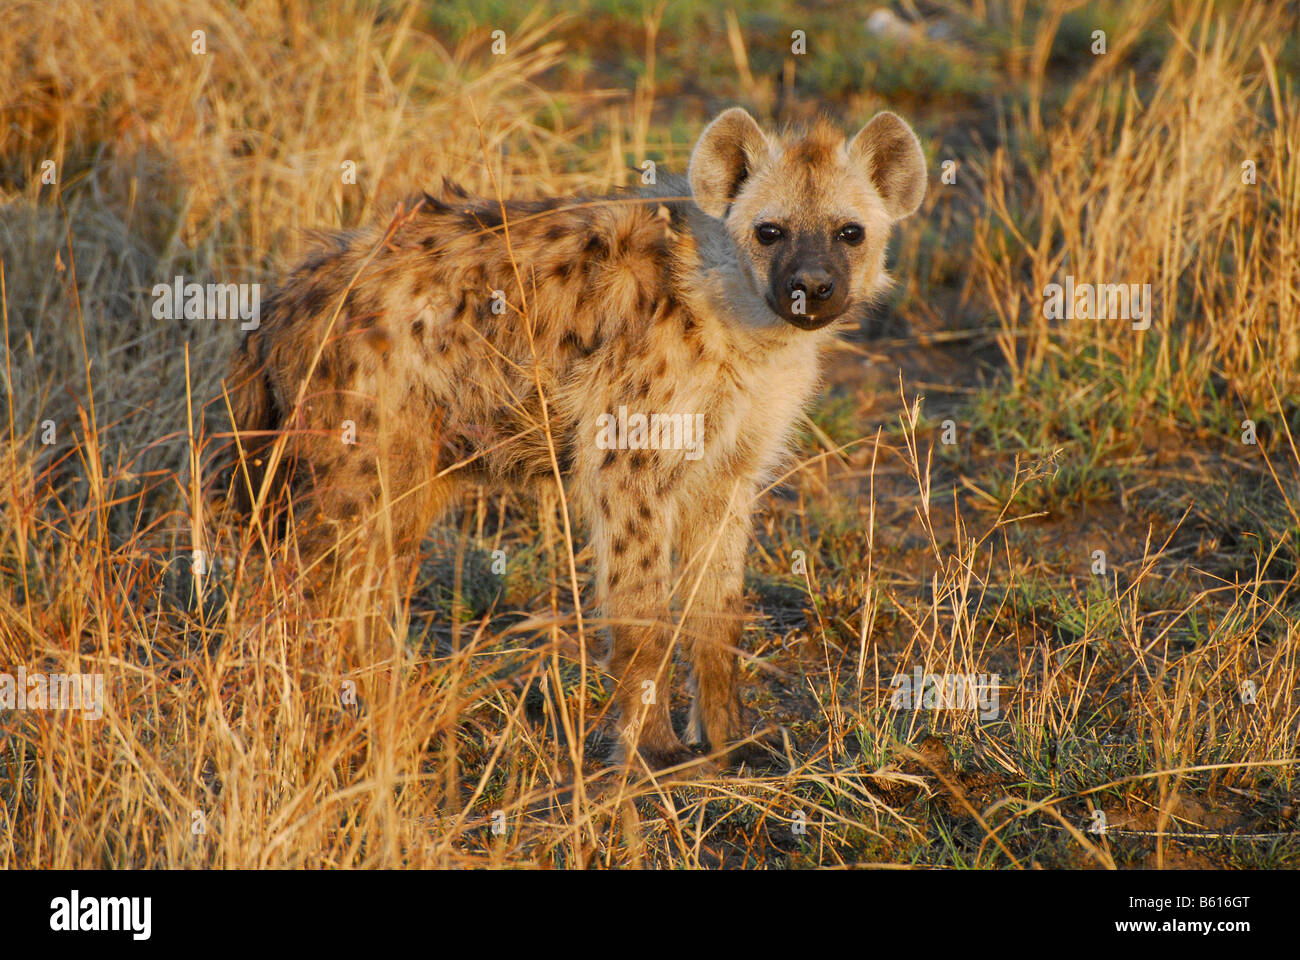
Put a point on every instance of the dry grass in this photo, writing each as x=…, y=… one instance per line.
x=229, y=736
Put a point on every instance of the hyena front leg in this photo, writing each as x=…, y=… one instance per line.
x=714, y=535
x=633, y=542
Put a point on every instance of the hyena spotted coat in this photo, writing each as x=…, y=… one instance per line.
x=481, y=342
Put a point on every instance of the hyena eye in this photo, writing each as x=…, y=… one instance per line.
x=851, y=234
x=768, y=233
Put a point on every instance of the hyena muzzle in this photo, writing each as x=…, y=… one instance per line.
x=652, y=350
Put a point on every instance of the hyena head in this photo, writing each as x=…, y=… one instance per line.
x=809, y=213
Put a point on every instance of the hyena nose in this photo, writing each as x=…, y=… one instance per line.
x=817, y=284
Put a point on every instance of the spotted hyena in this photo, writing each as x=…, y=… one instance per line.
x=652, y=350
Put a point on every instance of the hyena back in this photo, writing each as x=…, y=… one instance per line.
x=485, y=342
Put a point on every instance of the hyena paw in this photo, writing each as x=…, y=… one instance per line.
x=659, y=757
x=764, y=749
x=663, y=759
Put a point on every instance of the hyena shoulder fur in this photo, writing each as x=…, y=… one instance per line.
x=653, y=350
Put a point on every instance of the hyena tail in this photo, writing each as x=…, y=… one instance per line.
x=255, y=417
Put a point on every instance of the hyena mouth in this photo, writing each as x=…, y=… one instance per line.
x=817, y=317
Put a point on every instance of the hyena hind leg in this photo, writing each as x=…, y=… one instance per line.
x=365, y=519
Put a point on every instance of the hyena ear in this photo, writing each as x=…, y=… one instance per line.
x=723, y=158
x=892, y=155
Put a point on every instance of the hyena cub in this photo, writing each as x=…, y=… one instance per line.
x=487, y=342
